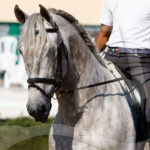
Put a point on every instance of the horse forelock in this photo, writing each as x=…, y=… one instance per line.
x=34, y=45
x=28, y=36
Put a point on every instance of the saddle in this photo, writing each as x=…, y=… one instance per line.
x=137, y=98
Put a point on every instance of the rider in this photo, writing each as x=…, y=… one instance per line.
x=125, y=30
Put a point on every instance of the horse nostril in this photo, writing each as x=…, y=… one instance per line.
x=42, y=109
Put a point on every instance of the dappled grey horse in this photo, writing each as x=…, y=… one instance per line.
x=60, y=58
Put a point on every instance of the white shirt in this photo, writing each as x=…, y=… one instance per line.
x=130, y=20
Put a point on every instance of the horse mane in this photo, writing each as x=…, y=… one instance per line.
x=80, y=29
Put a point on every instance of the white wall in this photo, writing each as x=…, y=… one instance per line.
x=86, y=11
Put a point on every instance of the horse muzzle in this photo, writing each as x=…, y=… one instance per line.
x=40, y=112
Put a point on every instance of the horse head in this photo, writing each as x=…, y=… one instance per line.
x=43, y=50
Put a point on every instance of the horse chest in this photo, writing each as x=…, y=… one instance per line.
x=91, y=132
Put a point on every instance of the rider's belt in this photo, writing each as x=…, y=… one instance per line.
x=128, y=50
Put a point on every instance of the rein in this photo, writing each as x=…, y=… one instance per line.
x=58, y=75
x=100, y=83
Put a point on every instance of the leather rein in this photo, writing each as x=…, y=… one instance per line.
x=32, y=82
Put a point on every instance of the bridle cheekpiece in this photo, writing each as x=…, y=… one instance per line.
x=58, y=75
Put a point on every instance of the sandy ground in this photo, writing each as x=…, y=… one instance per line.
x=13, y=103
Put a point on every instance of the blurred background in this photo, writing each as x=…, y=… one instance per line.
x=17, y=129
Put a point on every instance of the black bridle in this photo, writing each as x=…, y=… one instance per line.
x=58, y=75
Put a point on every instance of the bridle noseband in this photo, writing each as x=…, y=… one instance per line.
x=58, y=75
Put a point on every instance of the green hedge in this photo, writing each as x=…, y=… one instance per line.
x=24, y=134
x=23, y=121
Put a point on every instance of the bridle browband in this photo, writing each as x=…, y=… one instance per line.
x=50, y=30
x=58, y=75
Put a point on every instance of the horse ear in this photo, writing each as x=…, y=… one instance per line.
x=45, y=14
x=20, y=15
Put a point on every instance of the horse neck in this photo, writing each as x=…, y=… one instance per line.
x=83, y=69
x=88, y=68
